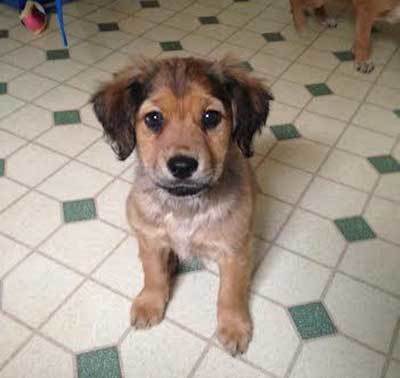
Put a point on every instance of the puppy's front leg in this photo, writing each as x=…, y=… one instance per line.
x=362, y=45
x=234, y=323
x=149, y=306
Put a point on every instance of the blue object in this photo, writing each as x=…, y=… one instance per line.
x=48, y=5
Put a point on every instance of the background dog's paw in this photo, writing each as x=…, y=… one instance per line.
x=330, y=22
x=365, y=67
x=234, y=335
x=147, y=311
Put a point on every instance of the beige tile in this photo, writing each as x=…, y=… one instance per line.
x=13, y=335
x=375, y=262
x=220, y=364
x=183, y=21
x=82, y=29
x=218, y=31
x=89, y=118
x=264, y=142
x=36, y=287
x=28, y=122
x=282, y=181
x=333, y=200
x=389, y=186
x=333, y=106
x=384, y=218
x=164, y=33
x=347, y=87
x=105, y=15
x=270, y=215
x=90, y=80
x=29, y=86
x=123, y=271
x=396, y=350
x=346, y=359
x=281, y=271
x=262, y=25
x=199, y=44
x=11, y=253
x=274, y=357
x=318, y=58
x=312, y=237
x=82, y=245
x=10, y=191
x=372, y=316
x=350, y=170
x=114, y=62
x=305, y=38
x=390, y=79
x=300, y=153
x=9, y=143
x=348, y=69
x=142, y=47
x=226, y=49
x=384, y=96
x=111, y=204
x=140, y=362
x=281, y=113
x=291, y=93
x=91, y=318
x=247, y=39
x=200, y=10
x=25, y=57
x=100, y=155
x=154, y=15
x=7, y=45
x=285, y=49
x=135, y=25
x=59, y=70
x=304, y=74
x=393, y=370
x=269, y=64
x=63, y=97
x=27, y=164
x=229, y=17
x=318, y=128
x=377, y=119
x=88, y=53
x=79, y=9
x=8, y=72
x=277, y=14
x=53, y=41
x=112, y=40
x=365, y=143
x=55, y=362
x=330, y=43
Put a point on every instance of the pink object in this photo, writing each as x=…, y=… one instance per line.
x=33, y=17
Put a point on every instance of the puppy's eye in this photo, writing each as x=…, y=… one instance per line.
x=154, y=121
x=211, y=119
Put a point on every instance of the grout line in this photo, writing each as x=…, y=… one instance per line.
x=396, y=336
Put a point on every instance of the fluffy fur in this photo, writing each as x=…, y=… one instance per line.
x=216, y=221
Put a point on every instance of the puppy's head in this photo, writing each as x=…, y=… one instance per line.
x=183, y=115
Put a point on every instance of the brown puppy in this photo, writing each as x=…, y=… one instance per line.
x=367, y=12
x=192, y=123
x=299, y=7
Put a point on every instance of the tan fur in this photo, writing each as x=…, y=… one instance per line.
x=215, y=224
x=300, y=6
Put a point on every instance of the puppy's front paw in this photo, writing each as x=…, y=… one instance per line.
x=234, y=332
x=365, y=67
x=147, y=309
x=330, y=22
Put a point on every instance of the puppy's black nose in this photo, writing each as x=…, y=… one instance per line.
x=182, y=166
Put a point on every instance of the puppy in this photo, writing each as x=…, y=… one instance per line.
x=367, y=12
x=192, y=123
x=299, y=7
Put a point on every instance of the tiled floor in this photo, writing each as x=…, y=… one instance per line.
x=326, y=295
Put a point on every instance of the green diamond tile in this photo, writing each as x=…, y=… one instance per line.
x=3, y=33
x=171, y=46
x=150, y=4
x=190, y=265
x=108, y=26
x=385, y=163
x=312, y=320
x=273, y=37
x=208, y=20
x=247, y=66
x=102, y=363
x=319, y=89
x=79, y=210
x=355, y=229
x=67, y=117
x=397, y=112
x=344, y=56
x=57, y=54
x=285, y=131
x=3, y=88
x=2, y=164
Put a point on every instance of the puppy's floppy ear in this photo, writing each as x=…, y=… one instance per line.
x=115, y=106
x=250, y=104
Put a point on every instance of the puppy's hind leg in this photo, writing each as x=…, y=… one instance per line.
x=149, y=306
x=299, y=18
x=362, y=46
x=323, y=18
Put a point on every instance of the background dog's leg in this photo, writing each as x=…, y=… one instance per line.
x=149, y=306
x=234, y=323
x=299, y=18
x=323, y=18
x=362, y=45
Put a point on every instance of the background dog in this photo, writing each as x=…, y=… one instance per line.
x=192, y=123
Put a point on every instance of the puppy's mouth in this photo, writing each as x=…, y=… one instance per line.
x=184, y=190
